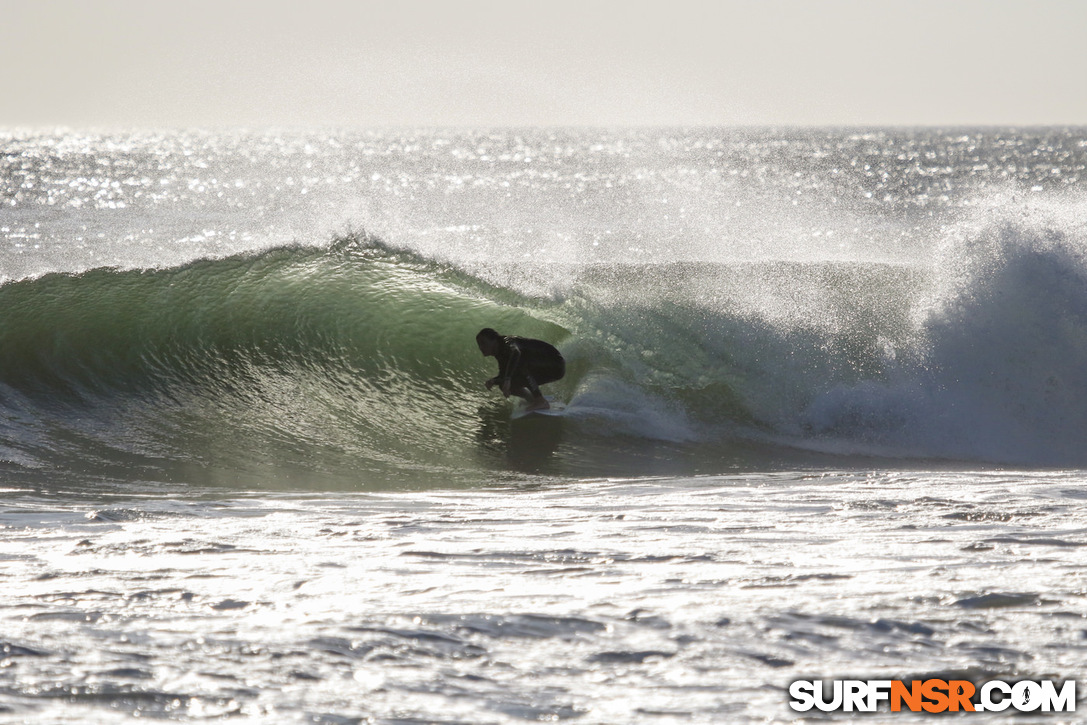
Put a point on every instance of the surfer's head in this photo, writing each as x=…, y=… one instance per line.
x=488, y=340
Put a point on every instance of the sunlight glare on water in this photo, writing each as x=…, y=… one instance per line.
x=668, y=600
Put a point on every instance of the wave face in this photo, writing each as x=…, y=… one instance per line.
x=347, y=359
x=723, y=300
x=357, y=361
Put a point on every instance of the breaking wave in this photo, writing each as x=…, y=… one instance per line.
x=356, y=362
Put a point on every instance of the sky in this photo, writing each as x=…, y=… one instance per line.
x=484, y=63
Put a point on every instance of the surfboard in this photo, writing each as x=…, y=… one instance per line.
x=555, y=411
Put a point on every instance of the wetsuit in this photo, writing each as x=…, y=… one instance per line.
x=527, y=363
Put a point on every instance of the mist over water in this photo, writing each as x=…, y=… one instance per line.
x=819, y=386
x=905, y=294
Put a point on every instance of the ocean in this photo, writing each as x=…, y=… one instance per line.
x=825, y=417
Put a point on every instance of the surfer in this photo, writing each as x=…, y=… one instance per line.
x=524, y=365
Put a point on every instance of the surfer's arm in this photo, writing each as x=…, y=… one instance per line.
x=511, y=366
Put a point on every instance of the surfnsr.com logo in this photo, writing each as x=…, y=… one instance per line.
x=933, y=695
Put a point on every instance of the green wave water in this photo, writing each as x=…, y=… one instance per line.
x=354, y=364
